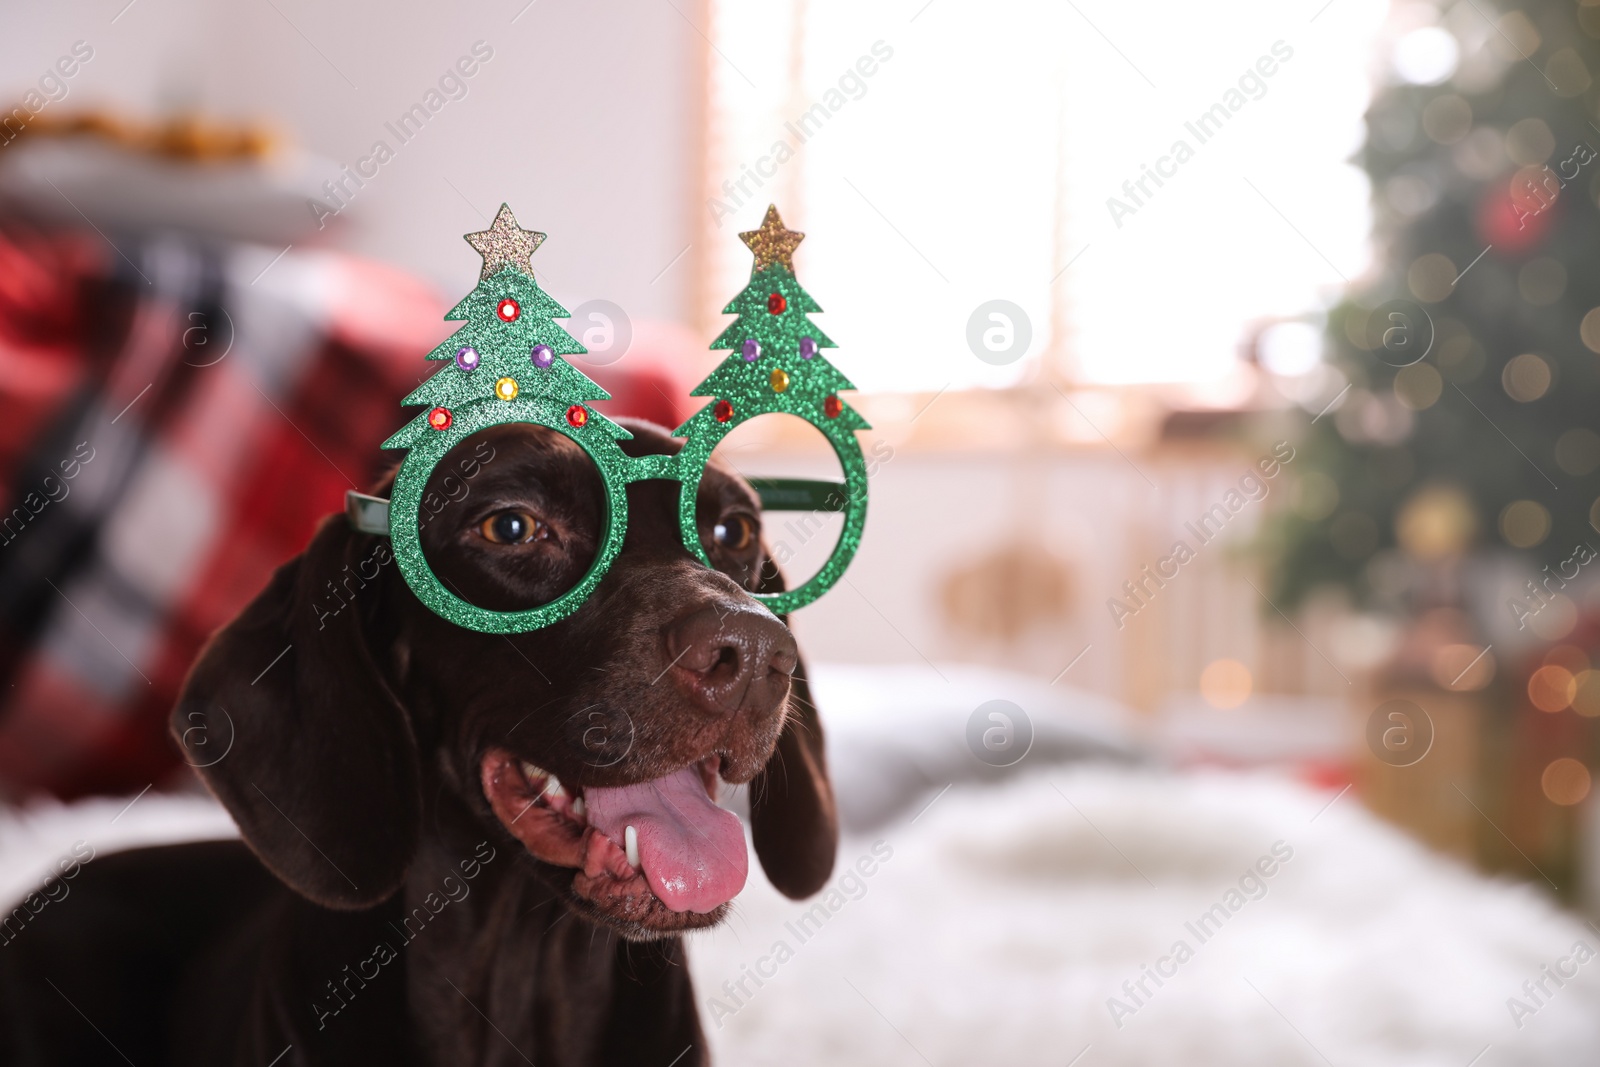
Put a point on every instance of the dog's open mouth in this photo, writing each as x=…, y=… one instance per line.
x=658, y=853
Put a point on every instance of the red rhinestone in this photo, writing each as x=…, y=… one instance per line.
x=440, y=418
x=776, y=303
x=508, y=310
x=832, y=406
x=723, y=411
x=578, y=415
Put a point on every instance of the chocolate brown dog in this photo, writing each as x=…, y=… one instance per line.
x=485, y=847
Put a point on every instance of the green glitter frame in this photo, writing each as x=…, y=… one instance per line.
x=805, y=397
x=412, y=479
x=617, y=471
x=697, y=452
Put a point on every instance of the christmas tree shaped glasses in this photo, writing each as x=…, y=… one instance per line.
x=506, y=365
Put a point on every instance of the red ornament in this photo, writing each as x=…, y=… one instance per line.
x=723, y=411
x=508, y=310
x=776, y=303
x=440, y=418
x=1515, y=221
x=578, y=416
x=832, y=406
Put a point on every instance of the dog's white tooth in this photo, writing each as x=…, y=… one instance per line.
x=553, y=787
x=630, y=844
x=531, y=772
x=577, y=806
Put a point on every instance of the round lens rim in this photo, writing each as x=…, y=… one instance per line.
x=617, y=471
x=695, y=456
x=406, y=502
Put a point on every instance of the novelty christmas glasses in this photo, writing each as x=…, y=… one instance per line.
x=506, y=365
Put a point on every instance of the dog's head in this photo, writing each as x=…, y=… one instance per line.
x=597, y=743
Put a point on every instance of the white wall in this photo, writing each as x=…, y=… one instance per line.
x=584, y=119
x=1088, y=515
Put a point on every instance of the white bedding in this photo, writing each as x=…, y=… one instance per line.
x=1007, y=917
x=996, y=924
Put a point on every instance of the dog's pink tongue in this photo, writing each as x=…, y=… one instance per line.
x=691, y=850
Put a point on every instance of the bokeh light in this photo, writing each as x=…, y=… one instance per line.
x=1552, y=688
x=1571, y=657
x=1436, y=522
x=1462, y=668
x=1524, y=523
x=1226, y=683
x=1426, y=56
x=1565, y=781
x=1589, y=330
x=1578, y=451
x=1418, y=386
x=1587, y=700
x=1556, y=619
x=1526, y=377
x=1530, y=142
x=1446, y=119
x=1432, y=277
x=1290, y=348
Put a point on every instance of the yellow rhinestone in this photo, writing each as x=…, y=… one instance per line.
x=780, y=381
x=506, y=389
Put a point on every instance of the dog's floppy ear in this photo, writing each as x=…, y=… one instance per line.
x=792, y=815
x=290, y=723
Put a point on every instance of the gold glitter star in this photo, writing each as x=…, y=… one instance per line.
x=772, y=243
x=505, y=244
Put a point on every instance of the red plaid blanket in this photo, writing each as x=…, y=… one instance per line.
x=177, y=418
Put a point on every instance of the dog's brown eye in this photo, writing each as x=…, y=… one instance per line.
x=734, y=532
x=512, y=528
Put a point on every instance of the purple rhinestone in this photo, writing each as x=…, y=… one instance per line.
x=808, y=347
x=466, y=357
x=542, y=356
x=752, y=350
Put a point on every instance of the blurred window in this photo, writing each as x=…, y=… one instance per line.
x=944, y=155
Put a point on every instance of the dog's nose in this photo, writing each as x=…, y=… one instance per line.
x=734, y=657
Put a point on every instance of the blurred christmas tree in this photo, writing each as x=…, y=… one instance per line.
x=1484, y=157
